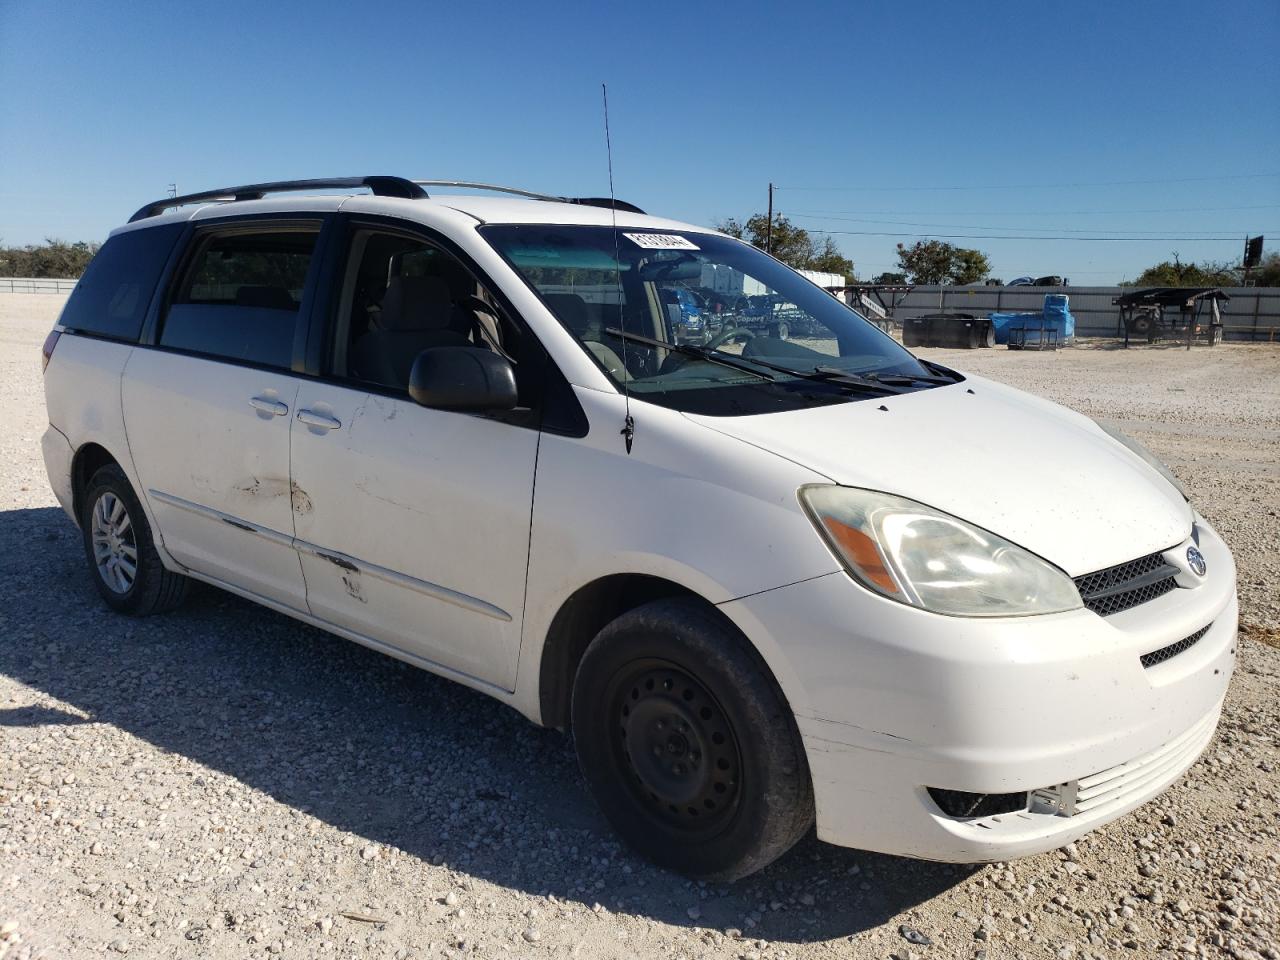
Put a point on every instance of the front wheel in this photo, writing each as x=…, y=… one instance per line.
x=122, y=557
x=687, y=743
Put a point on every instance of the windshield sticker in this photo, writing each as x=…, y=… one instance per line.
x=660, y=241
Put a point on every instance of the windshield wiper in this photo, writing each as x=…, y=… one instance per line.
x=870, y=383
x=847, y=378
x=689, y=350
x=948, y=375
x=906, y=378
x=834, y=375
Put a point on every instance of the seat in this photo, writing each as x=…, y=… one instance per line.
x=576, y=315
x=417, y=314
x=480, y=318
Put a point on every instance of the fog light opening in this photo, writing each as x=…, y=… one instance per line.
x=963, y=805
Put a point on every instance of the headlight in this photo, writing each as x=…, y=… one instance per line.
x=920, y=556
x=1146, y=455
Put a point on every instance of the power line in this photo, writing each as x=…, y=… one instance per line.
x=897, y=267
x=997, y=236
x=1035, y=186
x=971, y=226
x=1043, y=213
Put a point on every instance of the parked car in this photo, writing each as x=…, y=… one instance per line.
x=1051, y=280
x=764, y=587
x=684, y=312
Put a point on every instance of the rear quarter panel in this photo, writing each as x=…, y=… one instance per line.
x=82, y=394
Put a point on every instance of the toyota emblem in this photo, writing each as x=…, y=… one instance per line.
x=1195, y=560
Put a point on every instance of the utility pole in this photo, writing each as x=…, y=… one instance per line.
x=768, y=229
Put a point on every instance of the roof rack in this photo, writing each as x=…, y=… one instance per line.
x=516, y=191
x=381, y=187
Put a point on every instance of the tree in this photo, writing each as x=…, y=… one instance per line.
x=1175, y=273
x=1267, y=273
x=969, y=266
x=827, y=258
x=791, y=244
x=933, y=261
x=53, y=258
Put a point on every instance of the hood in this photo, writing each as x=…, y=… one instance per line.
x=1037, y=474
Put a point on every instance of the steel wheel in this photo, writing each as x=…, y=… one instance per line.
x=115, y=546
x=677, y=746
x=688, y=744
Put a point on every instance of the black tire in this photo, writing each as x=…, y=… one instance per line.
x=153, y=588
x=688, y=744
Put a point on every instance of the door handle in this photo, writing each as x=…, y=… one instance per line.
x=313, y=419
x=267, y=405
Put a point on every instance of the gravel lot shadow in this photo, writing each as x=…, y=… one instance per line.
x=384, y=751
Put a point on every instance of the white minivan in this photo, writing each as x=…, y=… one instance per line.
x=781, y=575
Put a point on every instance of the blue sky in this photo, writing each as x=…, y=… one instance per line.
x=1034, y=110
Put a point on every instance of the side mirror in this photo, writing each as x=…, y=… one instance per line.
x=462, y=378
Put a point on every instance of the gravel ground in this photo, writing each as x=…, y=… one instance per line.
x=224, y=782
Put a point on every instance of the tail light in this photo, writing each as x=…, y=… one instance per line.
x=46, y=351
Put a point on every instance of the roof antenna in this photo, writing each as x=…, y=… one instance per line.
x=628, y=425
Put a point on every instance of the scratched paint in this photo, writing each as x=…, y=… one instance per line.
x=301, y=500
x=337, y=561
x=262, y=487
x=352, y=582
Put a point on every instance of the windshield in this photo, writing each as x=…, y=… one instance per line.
x=704, y=323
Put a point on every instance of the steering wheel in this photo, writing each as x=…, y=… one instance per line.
x=724, y=336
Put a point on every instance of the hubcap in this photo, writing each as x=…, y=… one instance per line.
x=115, y=550
x=677, y=746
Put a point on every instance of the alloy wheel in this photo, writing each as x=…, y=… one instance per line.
x=115, y=547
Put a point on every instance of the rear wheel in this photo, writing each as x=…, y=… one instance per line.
x=122, y=556
x=688, y=744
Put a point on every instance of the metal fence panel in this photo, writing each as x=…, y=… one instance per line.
x=1252, y=313
x=35, y=285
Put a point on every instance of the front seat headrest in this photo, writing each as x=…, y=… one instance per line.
x=416, y=303
x=573, y=313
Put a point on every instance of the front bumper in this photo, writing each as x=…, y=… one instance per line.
x=893, y=700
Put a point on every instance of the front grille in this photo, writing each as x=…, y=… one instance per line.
x=1097, y=795
x=1173, y=649
x=1127, y=584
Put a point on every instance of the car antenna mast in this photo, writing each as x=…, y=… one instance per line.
x=628, y=424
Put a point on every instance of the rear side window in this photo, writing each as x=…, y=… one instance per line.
x=240, y=295
x=112, y=297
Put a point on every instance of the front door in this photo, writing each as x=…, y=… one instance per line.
x=412, y=524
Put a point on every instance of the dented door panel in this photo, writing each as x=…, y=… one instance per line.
x=214, y=467
x=416, y=532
